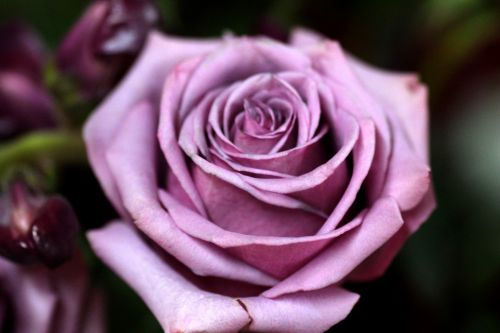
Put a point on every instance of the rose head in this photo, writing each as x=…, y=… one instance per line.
x=265, y=175
x=21, y=50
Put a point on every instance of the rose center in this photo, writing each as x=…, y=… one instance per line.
x=261, y=118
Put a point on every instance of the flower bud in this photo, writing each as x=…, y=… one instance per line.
x=36, y=229
x=105, y=41
x=25, y=104
x=21, y=51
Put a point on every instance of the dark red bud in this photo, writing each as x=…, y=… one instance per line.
x=125, y=27
x=21, y=51
x=104, y=42
x=36, y=229
x=25, y=104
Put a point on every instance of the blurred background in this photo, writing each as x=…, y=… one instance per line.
x=447, y=278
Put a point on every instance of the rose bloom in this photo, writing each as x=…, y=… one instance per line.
x=42, y=300
x=253, y=178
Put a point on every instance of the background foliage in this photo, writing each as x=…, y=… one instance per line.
x=447, y=278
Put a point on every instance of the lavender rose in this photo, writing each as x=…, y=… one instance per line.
x=263, y=175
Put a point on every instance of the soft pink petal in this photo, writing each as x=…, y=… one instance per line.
x=145, y=80
x=234, y=179
x=303, y=37
x=404, y=99
x=362, y=162
x=236, y=210
x=131, y=158
x=305, y=312
x=350, y=95
x=168, y=129
x=279, y=256
x=408, y=177
x=377, y=263
x=180, y=306
x=237, y=59
x=381, y=222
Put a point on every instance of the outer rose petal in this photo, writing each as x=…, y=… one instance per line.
x=376, y=264
x=400, y=93
x=175, y=301
x=404, y=101
x=403, y=95
x=345, y=254
x=303, y=37
x=181, y=306
x=145, y=80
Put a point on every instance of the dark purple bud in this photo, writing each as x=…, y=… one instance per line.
x=54, y=231
x=21, y=51
x=125, y=27
x=25, y=104
x=105, y=41
x=36, y=229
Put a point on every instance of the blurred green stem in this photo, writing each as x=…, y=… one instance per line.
x=59, y=147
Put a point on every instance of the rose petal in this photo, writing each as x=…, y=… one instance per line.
x=381, y=222
x=375, y=265
x=236, y=210
x=408, y=177
x=145, y=79
x=407, y=100
x=181, y=306
x=305, y=312
x=176, y=302
x=303, y=37
x=279, y=256
x=131, y=159
x=362, y=162
x=330, y=61
x=168, y=131
x=238, y=59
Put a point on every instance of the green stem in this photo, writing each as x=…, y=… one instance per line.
x=59, y=147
